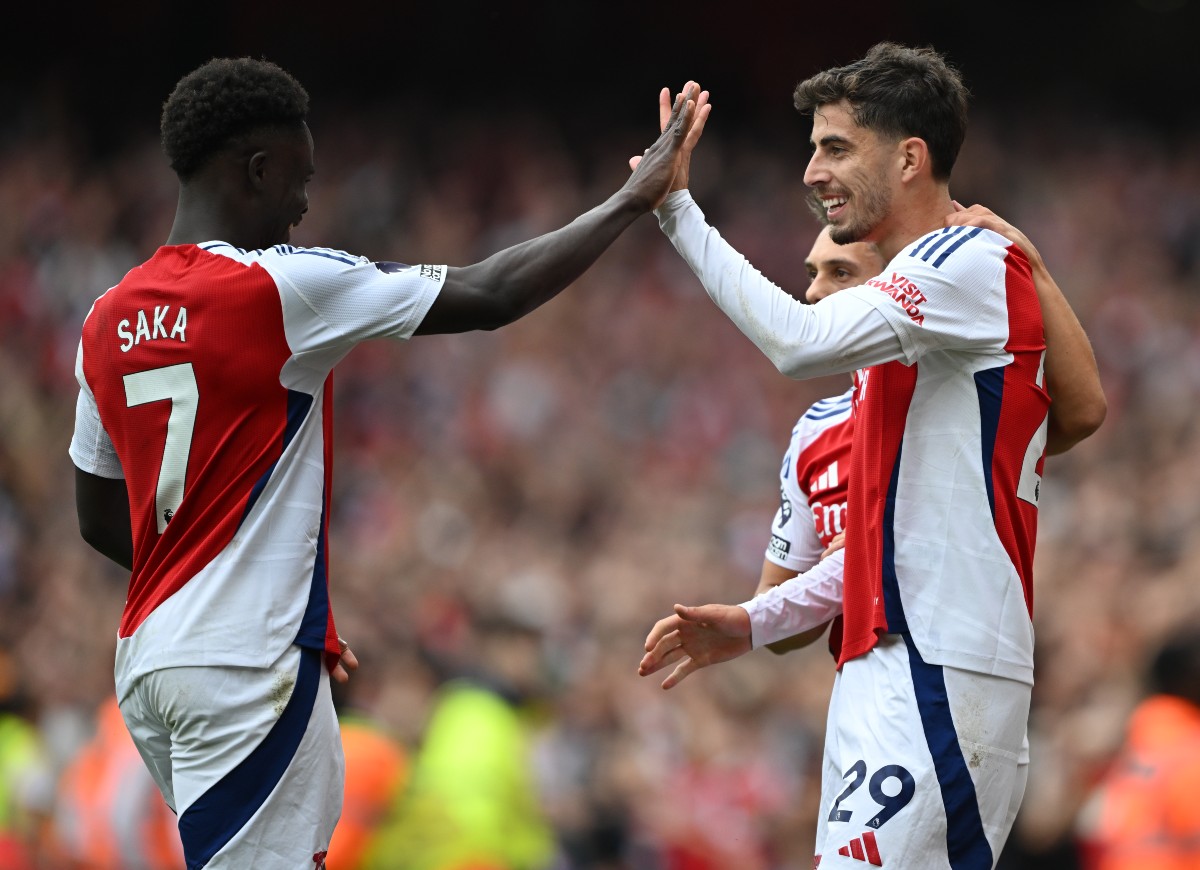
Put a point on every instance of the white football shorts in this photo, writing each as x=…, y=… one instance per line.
x=250, y=759
x=925, y=766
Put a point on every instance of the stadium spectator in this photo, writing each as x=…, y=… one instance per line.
x=1143, y=813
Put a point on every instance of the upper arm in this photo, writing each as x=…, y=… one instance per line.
x=1077, y=402
x=465, y=303
x=102, y=507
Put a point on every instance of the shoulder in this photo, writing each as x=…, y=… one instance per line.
x=820, y=418
x=955, y=250
x=825, y=409
x=283, y=256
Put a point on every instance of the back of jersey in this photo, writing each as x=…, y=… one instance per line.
x=183, y=358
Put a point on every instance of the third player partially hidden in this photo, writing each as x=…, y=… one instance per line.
x=928, y=714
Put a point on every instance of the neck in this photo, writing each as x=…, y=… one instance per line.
x=920, y=215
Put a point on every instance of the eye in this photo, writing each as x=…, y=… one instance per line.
x=812, y=274
x=844, y=275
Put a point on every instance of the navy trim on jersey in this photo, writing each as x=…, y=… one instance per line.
x=826, y=408
x=298, y=405
x=815, y=413
x=930, y=245
x=967, y=846
x=329, y=255
x=938, y=240
x=221, y=245
x=958, y=244
x=315, y=622
x=217, y=815
x=940, y=235
x=893, y=607
x=989, y=384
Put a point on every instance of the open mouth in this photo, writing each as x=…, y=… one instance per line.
x=834, y=205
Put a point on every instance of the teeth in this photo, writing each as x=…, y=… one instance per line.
x=831, y=204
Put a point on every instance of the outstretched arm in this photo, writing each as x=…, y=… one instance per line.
x=513, y=282
x=1078, y=405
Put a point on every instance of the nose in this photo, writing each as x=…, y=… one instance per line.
x=818, y=289
x=815, y=172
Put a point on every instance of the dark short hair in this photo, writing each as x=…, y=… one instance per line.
x=898, y=91
x=226, y=98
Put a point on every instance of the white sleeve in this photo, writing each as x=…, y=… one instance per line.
x=794, y=542
x=946, y=291
x=841, y=333
x=91, y=449
x=332, y=299
x=796, y=605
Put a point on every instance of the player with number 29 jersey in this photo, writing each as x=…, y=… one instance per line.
x=205, y=380
x=949, y=430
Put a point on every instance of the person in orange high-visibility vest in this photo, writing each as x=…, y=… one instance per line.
x=1144, y=813
x=376, y=768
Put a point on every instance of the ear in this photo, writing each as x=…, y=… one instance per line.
x=913, y=154
x=256, y=169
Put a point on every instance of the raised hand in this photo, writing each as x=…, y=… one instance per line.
x=666, y=110
x=696, y=637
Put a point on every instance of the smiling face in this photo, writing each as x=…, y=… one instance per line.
x=851, y=173
x=833, y=267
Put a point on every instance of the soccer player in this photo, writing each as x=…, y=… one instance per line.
x=928, y=714
x=202, y=447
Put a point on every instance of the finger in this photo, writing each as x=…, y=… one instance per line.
x=661, y=629
x=664, y=108
x=663, y=655
x=655, y=661
x=703, y=110
x=680, y=673
x=676, y=110
x=339, y=675
x=349, y=659
x=634, y=161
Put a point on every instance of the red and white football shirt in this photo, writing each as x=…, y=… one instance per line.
x=205, y=382
x=812, y=485
x=812, y=491
x=949, y=434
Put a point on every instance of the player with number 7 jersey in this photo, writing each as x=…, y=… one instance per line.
x=202, y=449
x=221, y=427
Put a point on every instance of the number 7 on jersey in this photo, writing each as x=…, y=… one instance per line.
x=177, y=384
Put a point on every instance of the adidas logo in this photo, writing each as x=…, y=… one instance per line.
x=863, y=848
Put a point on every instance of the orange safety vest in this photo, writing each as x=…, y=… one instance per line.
x=1145, y=814
x=376, y=767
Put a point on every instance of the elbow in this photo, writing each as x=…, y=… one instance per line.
x=1083, y=422
x=1087, y=418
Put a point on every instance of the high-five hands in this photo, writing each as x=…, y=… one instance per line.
x=696, y=637
x=666, y=109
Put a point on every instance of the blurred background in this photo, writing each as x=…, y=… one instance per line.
x=514, y=510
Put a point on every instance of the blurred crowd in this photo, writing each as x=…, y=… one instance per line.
x=513, y=510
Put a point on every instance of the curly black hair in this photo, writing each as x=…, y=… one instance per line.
x=222, y=100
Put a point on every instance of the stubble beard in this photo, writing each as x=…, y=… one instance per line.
x=870, y=207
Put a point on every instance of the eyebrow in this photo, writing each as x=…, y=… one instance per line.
x=831, y=138
x=834, y=263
